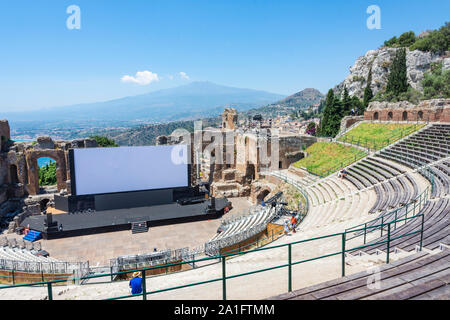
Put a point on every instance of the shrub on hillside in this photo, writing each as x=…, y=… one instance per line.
x=436, y=41
x=47, y=174
x=436, y=84
x=104, y=141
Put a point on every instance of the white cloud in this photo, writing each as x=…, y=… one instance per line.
x=142, y=78
x=170, y=77
x=183, y=75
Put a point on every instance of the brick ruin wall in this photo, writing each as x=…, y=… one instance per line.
x=236, y=178
x=19, y=171
x=435, y=110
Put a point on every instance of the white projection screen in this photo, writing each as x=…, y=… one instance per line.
x=122, y=169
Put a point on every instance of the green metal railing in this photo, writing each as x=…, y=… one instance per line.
x=223, y=258
x=373, y=144
x=343, y=163
x=39, y=276
x=414, y=206
x=301, y=214
x=267, y=239
x=423, y=168
x=298, y=186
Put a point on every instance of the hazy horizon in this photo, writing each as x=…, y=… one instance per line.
x=140, y=47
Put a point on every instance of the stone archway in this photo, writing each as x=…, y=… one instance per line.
x=259, y=191
x=420, y=115
x=43, y=204
x=14, y=177
x=375, y=116
x=33, y=170
x=262, y=195
x=405, y=115
x=390, y=115
x=250, y=172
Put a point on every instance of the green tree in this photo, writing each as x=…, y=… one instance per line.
x=332, y=115
x=391, y=42
x=358, y=105
x=326, y=113
x=436, y=83
x=436, y=41
x=346, y=102
x=321, y=106
x=294, y=115
x=397, y=79
x=104, y=141
x=406, y=39
x=368, y=94
x=47, y=174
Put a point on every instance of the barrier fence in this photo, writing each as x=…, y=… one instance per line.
x=414, y=206
x=343, y=163
x=357, y=231
x=342, y=237
x=161, y=258
x=375, y=145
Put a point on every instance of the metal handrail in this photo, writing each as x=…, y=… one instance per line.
x=424, y=194
x=223, y=261
x=372, y=144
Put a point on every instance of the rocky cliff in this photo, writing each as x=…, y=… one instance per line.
x=380, y=60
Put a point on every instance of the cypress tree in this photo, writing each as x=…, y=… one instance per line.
x=358, y=105
x=397, y=79
x=327, y=112
x=368, y=94
x=332, y=115
x=338, y=112
x=346, y=102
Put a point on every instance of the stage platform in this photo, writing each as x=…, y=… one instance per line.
x=77, y=224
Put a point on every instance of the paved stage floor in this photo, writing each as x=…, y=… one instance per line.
x=99, y=248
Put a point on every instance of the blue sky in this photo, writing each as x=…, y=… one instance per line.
x=277, y=46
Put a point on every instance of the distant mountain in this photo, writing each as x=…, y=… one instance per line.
x=304, y=98
x=146, y=134
x=298, y=101
x=191, y=101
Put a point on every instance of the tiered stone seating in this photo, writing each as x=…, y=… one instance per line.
x=418, y=276
x=21, y=255
x=436, y=222
x=245, y=223
x=344, y=203
x=391, y=189
x=381, y=200
x=407, y=195
x=394, y=186
x=425, y=147
x=25, y=260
